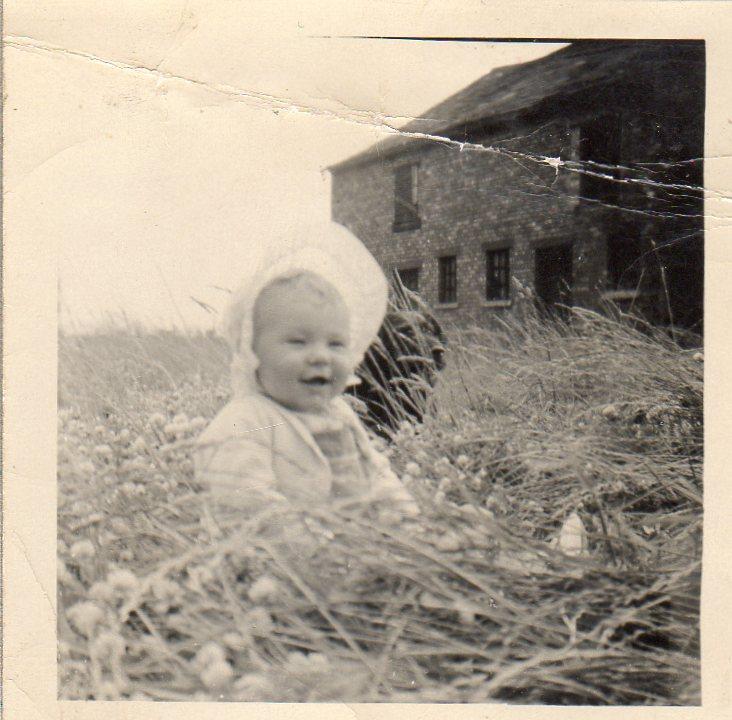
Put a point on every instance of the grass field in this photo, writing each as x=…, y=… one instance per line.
x=557, y=560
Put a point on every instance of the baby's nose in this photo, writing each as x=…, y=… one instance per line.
x=318, y=354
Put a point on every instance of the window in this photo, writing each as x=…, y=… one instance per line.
x=447, y=281
x=600, y=148
x=409, y=277
x=497, y=274
x=406, y=209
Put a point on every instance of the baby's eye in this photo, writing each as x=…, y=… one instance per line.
x=295, y=341
x=337, y=344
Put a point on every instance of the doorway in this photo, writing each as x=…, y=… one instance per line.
x=553, y=275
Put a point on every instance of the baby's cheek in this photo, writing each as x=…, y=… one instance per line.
x=347, y=366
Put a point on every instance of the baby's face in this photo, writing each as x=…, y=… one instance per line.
x=301, y=340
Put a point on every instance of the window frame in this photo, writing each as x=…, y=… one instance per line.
x=415, y=268
x=406, y=211
x=442, y=287
x=491, y=252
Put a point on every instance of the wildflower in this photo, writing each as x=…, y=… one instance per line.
x=127, y=488
x=139, y=444
x=123, y=435
x=108, y=644
x=100, y=430
x=209, y=654
x=469, y=509
x=439, y=497
x=319, y=662
x=462, y=461
x=105, y=538
x=442, y=465
x=84, y=617
x=86, y=468
x=413, y=469
x=82, y=549
x=119, y=525
x=254, y=687
x=171, y=430
x=107, y=690
x=234, y=640
x=430, y=602
x=217, y=675
x=466, y=611
x=475, y=482
x=198, y=577
x=445, y=485
x=265, y=588
x=699, y=357
x=101, y=592
x=157, y=420
x=301, y=664
x=449, y=542
x=63, y=574
x=124, y=582
x=137, y=463
x=103, y=451
x=610, y=412
x=167, y=594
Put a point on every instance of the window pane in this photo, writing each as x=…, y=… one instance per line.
x=447, y=288
x=497, y=274
x=409, y=278
x=406, y=214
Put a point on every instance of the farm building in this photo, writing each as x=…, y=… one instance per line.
x=578, y=174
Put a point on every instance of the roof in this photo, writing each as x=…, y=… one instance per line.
x=513, y=90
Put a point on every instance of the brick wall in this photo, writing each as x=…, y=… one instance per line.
x=499, y=195
x=469, y=200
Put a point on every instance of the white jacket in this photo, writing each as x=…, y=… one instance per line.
x=256, y=451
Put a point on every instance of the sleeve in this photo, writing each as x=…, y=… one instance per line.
x=237, y=471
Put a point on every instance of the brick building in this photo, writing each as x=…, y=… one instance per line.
x=579, y=174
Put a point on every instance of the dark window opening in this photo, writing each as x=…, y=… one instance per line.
x=624, y=262
x=406, y=208
x=409, y=277
x=497, y=274
x=600, y=153
x=447, y=279
x=553, y=278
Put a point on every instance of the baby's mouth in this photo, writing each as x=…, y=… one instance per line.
x=316, y=381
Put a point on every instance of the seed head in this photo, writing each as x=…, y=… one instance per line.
x=265, y=588
x=84, y=617
x=82, y=549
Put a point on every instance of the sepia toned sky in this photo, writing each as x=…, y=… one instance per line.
x=154, y=154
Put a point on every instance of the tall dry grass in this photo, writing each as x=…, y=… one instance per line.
x=534, y=426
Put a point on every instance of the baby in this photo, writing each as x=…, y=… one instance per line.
x=288, y=435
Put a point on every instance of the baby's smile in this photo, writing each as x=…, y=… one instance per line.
x=316, y=380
